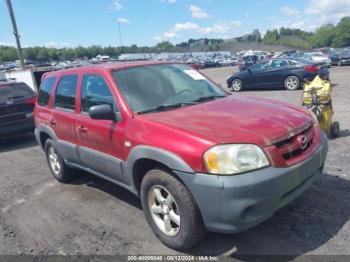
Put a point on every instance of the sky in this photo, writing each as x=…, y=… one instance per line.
x=70, y=23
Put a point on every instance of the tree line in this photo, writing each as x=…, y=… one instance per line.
x=326, y=36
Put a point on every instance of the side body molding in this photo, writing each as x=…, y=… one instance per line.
x=167, y=158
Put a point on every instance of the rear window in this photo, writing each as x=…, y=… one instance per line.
x=45, y=90
x=15, y=91
x=66, y=92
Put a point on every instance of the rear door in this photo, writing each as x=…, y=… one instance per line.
x=64, y=117
x=101, y=141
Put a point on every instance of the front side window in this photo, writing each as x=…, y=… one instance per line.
x=66, y=92
x=146, y=87
x=94, y=91
x=279, y=63
x=259, y=66
x=45, y=90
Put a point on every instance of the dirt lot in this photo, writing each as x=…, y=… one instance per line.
x=90, y=216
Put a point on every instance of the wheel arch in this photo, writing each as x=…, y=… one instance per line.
x=144, y=158
x=43, y=133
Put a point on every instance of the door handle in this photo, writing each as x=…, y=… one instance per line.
x=82, y=129
x=52, y=122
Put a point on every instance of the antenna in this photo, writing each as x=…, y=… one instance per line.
x=15, y=32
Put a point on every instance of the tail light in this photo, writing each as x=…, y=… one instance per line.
x=312, y=68
x=31, y=100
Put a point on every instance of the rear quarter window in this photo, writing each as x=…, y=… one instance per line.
x=45, y=90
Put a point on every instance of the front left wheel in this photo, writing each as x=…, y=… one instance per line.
x=170, y=210
x=237, y=85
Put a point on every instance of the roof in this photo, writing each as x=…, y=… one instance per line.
x=107, y=67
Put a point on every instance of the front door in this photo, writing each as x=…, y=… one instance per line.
x=100, y=140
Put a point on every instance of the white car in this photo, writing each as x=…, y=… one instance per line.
x=318, y=57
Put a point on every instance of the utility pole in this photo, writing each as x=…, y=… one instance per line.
x=15, y=32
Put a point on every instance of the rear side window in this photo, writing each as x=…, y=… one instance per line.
x=66, y=92
x=94, y=91
x=15, y=91
x=45, y=91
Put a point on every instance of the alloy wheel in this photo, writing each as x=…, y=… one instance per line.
x=164, y=210
x=291, y=83
x=237, y=85
x=53, y=159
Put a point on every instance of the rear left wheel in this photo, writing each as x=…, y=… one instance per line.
x=56, y=163
x=170, y=210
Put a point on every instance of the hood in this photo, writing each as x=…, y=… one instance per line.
x=235, y=119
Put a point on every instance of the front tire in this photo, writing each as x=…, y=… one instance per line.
x=58, y=168
x=170, y=210
x=237, y=85
x=292, y=83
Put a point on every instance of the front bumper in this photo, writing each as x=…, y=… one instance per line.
x=232, y=204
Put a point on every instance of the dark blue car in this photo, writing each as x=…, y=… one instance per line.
x=289, y=73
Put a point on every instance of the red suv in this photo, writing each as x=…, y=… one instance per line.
x=199, y=158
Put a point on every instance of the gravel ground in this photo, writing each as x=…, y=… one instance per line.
x=39, y=216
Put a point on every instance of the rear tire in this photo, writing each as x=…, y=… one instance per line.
x=57, y=166
x=237, y=85
x=292, y=83
x=179, y=224
x=335, y=130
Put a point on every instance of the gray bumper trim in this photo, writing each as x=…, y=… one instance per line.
x=235, y=203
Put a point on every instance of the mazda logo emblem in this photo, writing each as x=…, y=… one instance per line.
x=302, y=141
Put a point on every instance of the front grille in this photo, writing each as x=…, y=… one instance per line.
x=296, y=152
x=289, y=147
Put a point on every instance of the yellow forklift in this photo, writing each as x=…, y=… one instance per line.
x=317, y=96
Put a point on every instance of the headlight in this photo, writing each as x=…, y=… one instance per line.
x=234, y=159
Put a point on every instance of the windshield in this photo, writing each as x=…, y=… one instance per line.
x=150, y=86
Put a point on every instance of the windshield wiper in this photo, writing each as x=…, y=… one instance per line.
x=208, y=98
x=165, y=107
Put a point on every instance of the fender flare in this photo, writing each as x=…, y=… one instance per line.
x=47, y=130
x=171, y=160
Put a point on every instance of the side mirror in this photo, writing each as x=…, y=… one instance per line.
x=102, y=112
